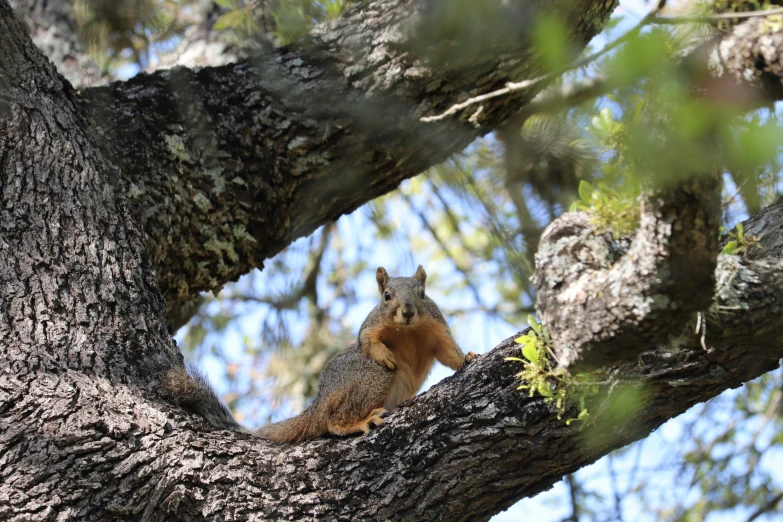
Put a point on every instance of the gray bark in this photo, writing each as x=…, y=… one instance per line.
x=464, y=450
x=623, y=291
x=745, y=65
x=54, y=30
x=89, y=205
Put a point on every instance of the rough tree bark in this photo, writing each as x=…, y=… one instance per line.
x=626, y=292
x=89, y=205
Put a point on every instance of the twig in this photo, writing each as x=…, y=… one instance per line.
x=714, y=18
x=573, y=490
x=518, y=86
x=747, y=14
x=553, y=99
x=769, y=506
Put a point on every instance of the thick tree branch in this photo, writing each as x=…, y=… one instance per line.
x=211, y=157
x=633, y=295
x=742, y=67
x=466, y=449
x=228, y=165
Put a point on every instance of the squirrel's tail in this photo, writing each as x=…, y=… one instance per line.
x=191, y=390
x=296, y=429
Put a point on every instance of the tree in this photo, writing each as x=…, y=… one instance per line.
x=120, y=203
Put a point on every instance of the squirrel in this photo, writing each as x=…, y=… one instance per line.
x=398, y=343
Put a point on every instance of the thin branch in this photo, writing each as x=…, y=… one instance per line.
x=573, y=492
x=497, y=311
x=766, y=508
x=556, y=98
x=713, y=18
x=618, y=500
x=306, y=289
x=748, y=14
x=525, y=84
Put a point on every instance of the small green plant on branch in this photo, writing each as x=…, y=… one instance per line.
x=739, y=243
x=543, y=377
x=609, y=209
x=612, y=202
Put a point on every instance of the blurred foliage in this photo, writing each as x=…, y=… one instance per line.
x=292, y=19
x=475, y=220
x=740, y=6
x=117, y=31
x=610, y=209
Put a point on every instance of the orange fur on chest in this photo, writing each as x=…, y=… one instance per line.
x=414, y=348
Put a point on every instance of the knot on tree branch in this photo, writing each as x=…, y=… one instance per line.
x=604, y=299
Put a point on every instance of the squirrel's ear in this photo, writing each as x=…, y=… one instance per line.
x=420, y=275
x=382, y=277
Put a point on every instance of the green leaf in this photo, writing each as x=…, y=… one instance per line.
x=531, y=321
x=549, y=37
x=730, y=247
x=530, y=352
x=585, y=191
x=574, y=207
x=773, y=24
x=535, y=325
x=638, y=111
x=230, y=20
x=740, y=231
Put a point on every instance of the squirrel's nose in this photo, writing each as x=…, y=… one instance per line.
x=408, y=311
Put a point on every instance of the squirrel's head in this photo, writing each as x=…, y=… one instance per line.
x=402, y=298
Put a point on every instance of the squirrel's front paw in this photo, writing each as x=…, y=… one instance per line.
x=387, y=359
x=469, y=357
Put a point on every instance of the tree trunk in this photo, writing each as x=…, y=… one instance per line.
x=98, y=188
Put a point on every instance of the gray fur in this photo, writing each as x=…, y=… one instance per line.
x=201, y=399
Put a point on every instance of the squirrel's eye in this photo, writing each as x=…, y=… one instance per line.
x=387, y=296
x=422, y=294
